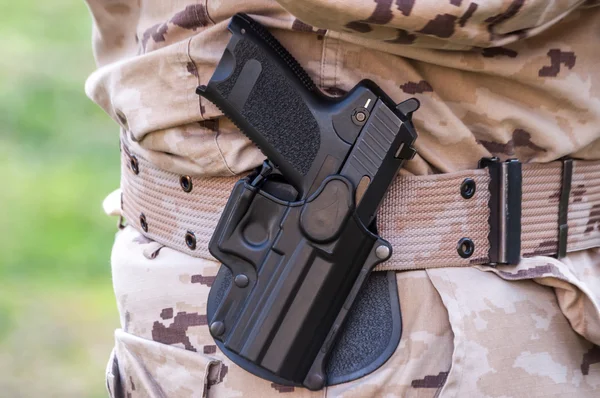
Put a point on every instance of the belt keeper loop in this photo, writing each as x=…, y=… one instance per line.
x=563, y=207
x=506, y=180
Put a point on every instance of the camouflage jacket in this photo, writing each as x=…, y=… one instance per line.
x=510, y=78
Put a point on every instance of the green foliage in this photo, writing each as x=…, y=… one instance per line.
x=59, y=158
x=58, y=151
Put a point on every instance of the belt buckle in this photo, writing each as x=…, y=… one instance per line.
x=506, y=180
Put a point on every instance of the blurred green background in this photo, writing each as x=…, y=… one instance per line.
x=59, y=158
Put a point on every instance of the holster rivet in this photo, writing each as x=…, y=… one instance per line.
x=241, y=280
x=382, y=252
x=217, y=328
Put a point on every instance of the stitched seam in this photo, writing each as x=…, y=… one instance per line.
x=187, y=58
x=200, y=108
x=190, y=59
x=323, y=60
x=221, y=152
x=462, y=325
x=464, y=353
x=335, y=72
x=581, y=309
x=206, y=12
x=197, y=15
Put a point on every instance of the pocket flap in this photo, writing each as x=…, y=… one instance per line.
x=158, y=370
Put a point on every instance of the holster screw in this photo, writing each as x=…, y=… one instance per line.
x=360, y=116
x=241, y=280
x=382, y=252
x=217, y=328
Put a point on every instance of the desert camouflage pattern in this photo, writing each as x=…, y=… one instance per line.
x=485, y=87
x=511, y=78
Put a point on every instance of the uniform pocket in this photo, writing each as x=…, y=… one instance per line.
x=150, y=369
x=510, y=335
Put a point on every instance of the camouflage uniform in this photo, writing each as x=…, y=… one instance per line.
x=511, y=78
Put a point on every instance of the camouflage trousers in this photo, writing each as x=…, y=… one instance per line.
x=473, y=331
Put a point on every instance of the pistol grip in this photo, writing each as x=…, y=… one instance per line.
x=265, y=92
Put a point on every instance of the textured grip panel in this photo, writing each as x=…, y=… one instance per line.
x=273, y=44
x=274, y=108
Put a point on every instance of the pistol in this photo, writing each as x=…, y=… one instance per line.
x=298, y=234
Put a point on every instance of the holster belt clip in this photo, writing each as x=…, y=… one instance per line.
x=506, y=180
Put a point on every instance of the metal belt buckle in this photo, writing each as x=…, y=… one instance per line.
x=505, y=209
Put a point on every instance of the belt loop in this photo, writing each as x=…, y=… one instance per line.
x=563, y=207
x=505, y=210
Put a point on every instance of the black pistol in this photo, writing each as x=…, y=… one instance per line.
x=298, y=234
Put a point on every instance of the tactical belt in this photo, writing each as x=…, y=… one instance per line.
x=443, y=220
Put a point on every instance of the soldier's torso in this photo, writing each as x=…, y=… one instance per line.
x=475, y=331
